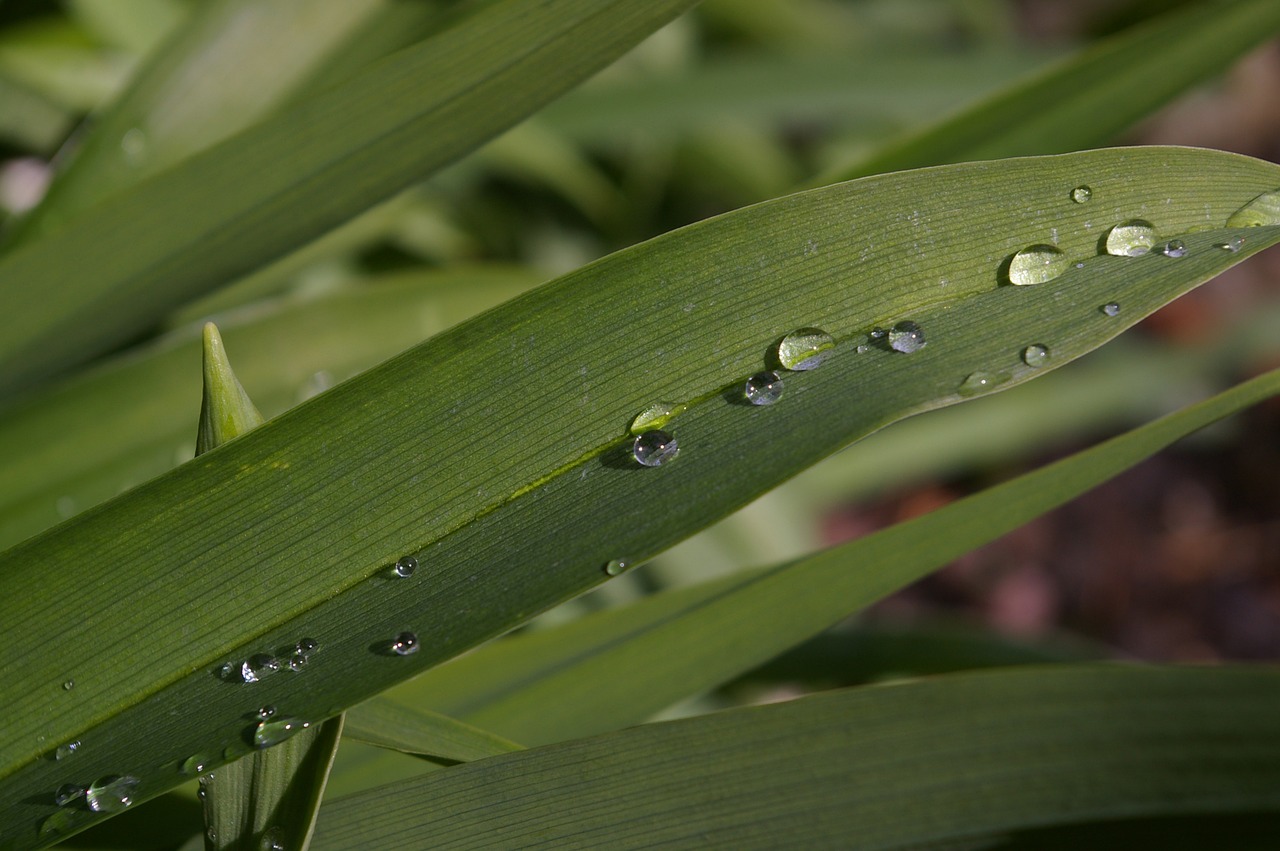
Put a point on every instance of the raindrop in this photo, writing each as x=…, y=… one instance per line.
x=195, y=764
x=405, y=643
x=878, y=334
x=1036, y=355
x=617, y=566
x=763, y=388
x=1174, y=248
x=69, y=685
x=305, y=646
x=1036, y=264
x=298, y=661
x=906, y=337
x=862, y=349
x=65, y=750
x=1111, y=308
x=406, y=566
x=981, y=382
x=67, y=793
x=1131, y=239
x=266, y=712
x=1081, y=194
x=258, y=666
x=111, y=794
x=655, y=416
x=1263, y=210
x=272, y=840
x=275, y=731
x=655, y=448
x=805, y=348
x=1233, y=245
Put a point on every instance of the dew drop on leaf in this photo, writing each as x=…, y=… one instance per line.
x=406, y=566
x=67, y=793
x=655, y=416
x=276, y=730
x=906, y=337
x=1263, y=210
x=1174, y=248
x=805, y=348
x=763, y=388
x=655, y=448
x=1111, y=308
x=405, y=643
x=1036, y=264
x=112, y=793
x=981, y=382
x=1081, y=194
x=1036, y=355
x=1131, y=239
x=617, y=566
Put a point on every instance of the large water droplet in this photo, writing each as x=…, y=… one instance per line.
x=763, y=388
x=655, y=416
x=1174, y=248
x=655, y=448
x=906, y=337
x=617, y=566
x=112, y=793
x=1036, y=264
x=1036, y=355
x=1131, y=239
x=195, y=764
x=1081, y=194
x=405, y=643
x=275, y=731
x=258, y=666
x=805, y=348
x=981, y=382
x=1233, y=245
x=1111, y=308
x=1263, y=210
x=67, y=793
x=406, y=566
x=65, y=750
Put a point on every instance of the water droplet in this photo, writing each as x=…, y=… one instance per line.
x=275, y=731
x=195, y=764
x=1081, y=194
x=65, y=750
x=265, y=712
x=1035, y=355
x=67, y=793
x=862, y=349
x=655, y=416
x=406, y=566
x=906, y=337
x=272, y=840
x=1233, y=245
x=298, y=661
x=1263, y=210
x=805, y=348
x=763, y=388
x=1111, y=308
x=258, y=666
x=1036, y=264
x=1131, y=239
x=68, y=685
x=57, y=824
x=111, y=794
x=617, y=566
x=981, y=382
x=305, y=646
x=655, y=448
x=405, y=643
x=1174, y=248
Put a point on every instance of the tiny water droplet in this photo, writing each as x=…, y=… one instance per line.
x=275, y=731
x=195, y=764
x=405, y=643
x=298, y=661
x=655, y=448
x=906, y=337
x=272, y=840
x=981, y=382
x=1111, y=308
x=1035, y=355
x=805, y=348
x=65, y=750
x=112, y=793
x=305, y=646
x=1081, y=194
x=1174, y=248
x=69, y=685
x=862, y=349
x=1263, y=210
x=655, y=416
x=258, y=666
x=406, y=566
x=617, y=566
x=267, y=711
x=67, y=793
x=763, y=388
x=1036, y=264
x=1131, y=239
x=1233, y=245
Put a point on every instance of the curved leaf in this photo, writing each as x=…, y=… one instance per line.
x=497, y=454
